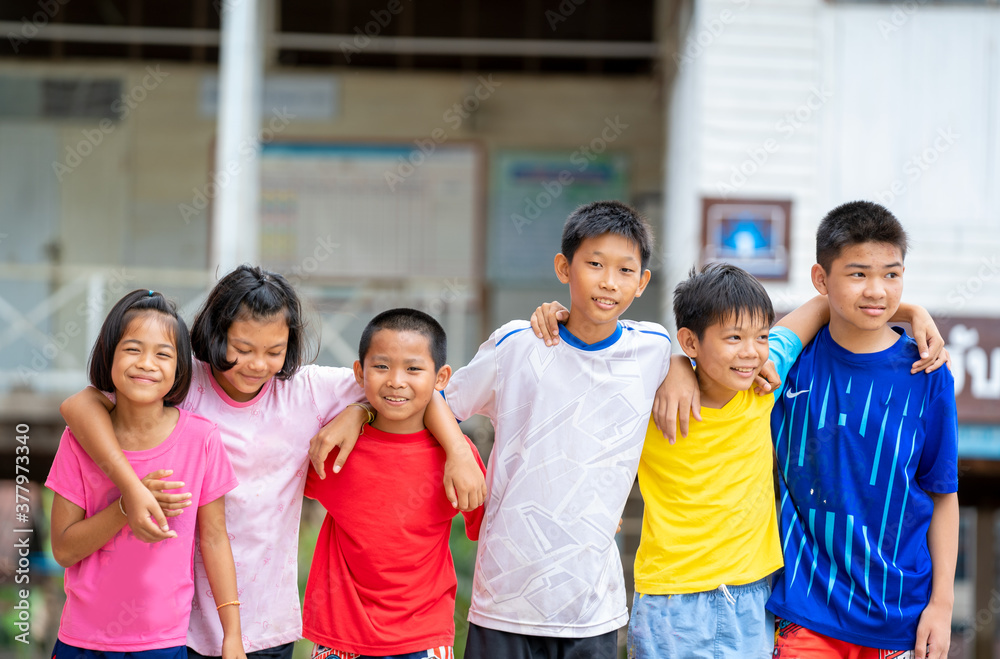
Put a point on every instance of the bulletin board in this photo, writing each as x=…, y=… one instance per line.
x=532, y=193
x=371, y=210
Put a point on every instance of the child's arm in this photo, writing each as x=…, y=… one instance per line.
x=934, y=629
x=342, y=432
x=930, y=343
x=221, y=573
x=545, y=321
x=86, y=414
x=464, y=483
x=76, y=536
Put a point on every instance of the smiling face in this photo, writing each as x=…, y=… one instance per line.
x=604, y=277
x=258, y=348
x=399, y=378
x=863, y=286
x=729, y=355
x=145, y=360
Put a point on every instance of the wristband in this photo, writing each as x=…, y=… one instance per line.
x=367, y=408
x=120, y=506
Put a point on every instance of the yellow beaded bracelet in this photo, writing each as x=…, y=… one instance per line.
x=367, y=408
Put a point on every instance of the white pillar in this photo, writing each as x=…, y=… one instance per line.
x=680, y=231
x=236, y=179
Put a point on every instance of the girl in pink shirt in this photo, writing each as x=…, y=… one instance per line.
x=249, y=343
x=123, y=595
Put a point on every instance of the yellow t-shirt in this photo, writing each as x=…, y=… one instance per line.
x=709, y=514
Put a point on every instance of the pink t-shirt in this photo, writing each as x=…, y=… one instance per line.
x=267, y=440
x=131, y=596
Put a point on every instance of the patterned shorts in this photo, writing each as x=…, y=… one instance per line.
x=793, y=641
x=443, y=652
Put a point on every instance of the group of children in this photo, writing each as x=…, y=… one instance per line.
x=855, y=557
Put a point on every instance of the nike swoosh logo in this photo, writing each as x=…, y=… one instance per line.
x=789, y=394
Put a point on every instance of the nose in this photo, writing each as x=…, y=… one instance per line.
x=395, y=379
x=257, y=362
x=875, y=287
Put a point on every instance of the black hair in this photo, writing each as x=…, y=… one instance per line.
x=141, y=302
x=719, y=292
x=853, y=223
x=248, y=293
x=407, y=320
x=600, y=217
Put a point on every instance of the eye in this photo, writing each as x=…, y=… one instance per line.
x=594, y=264
x=275, y=354
x=628, y=270
x=164, y=355
x=414, y=368
x=241, y=352
x=380, y=367
x=892, y=275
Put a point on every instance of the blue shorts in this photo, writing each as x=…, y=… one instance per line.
x=730, y=621
x=64, y=651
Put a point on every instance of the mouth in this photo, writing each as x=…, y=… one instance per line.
x=605, y=302
x=873, y=310
x=744, y=371
x=138, y=379
x=395, y=400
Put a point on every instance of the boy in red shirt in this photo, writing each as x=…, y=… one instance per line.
x=382, y=581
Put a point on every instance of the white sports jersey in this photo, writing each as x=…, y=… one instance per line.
x=570, y=422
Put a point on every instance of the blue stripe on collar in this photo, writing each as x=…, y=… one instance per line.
x=565, y=335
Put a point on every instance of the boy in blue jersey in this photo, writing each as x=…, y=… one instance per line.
x=867, y=463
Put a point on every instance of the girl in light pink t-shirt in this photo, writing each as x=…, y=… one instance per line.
x=123, y=595
x=249, y=343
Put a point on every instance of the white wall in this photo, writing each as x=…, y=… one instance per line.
x=849, y=95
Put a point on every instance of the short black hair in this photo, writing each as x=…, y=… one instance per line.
x=719, y=292
x=854, y=223
x=141, y=302
x=600, y=217
x=407, y=320
x=248, y=293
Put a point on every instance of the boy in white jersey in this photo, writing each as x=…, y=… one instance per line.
x=570, y=423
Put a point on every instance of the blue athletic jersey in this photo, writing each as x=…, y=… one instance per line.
x=860, y=442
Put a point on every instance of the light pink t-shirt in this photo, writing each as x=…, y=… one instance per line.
x=130, y=596
x=267, y=440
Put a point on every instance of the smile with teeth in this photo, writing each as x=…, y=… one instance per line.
x=394, y=399
x=605, y=300
x=745, y=369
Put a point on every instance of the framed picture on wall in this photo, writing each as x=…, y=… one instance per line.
x=750, y=233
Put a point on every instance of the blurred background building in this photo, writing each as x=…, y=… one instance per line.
x=397, y=152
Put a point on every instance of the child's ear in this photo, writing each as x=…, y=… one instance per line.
x=688, y=342
x=359, y=374
x=562, y=268
x=443, y=376
x=642, y=282
x=819, y=278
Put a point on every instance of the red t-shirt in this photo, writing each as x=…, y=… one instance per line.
x=382, y=581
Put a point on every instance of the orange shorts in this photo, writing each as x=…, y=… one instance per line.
x=793, y=641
